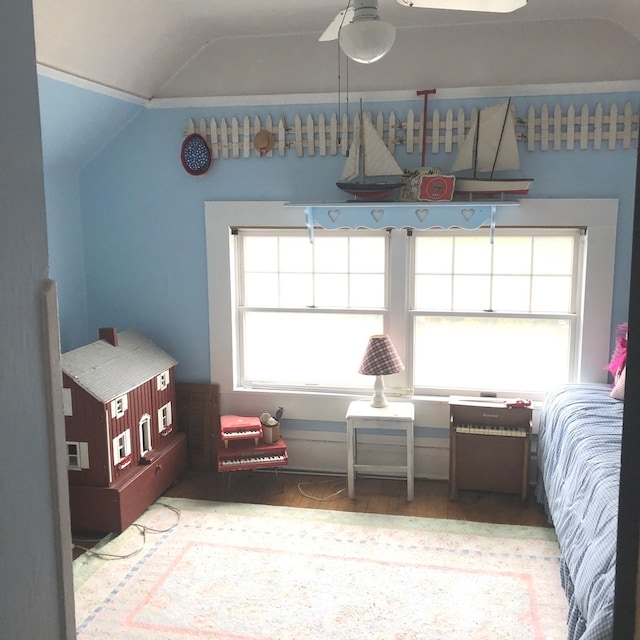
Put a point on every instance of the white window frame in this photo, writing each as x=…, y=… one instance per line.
x=119, y=406
x=163, y=380
x=144, y=427
x=81, y=456
x=599, y=216
x=165, y=418
x=122, y=449
x=574, y=318
x=382, y=311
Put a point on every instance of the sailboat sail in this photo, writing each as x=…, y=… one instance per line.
x=490, y=146
x=497, y=147
x=379, y=160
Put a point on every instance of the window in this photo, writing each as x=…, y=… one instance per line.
x=165, y=419
x=145, y=434
x=122, y=449
x=77, y=456
x=119, y=406
x=163, y=381
x=485, y=316
x=306, y=310
x=309, y=341
x=495, y=316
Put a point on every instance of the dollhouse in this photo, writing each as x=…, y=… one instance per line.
x=123, y=450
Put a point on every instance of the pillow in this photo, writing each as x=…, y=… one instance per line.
x=618, y=388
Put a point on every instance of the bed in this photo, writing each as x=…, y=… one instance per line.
x=579, y=468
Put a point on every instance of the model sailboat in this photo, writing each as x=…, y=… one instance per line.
x=370, y=172
x=491, y=146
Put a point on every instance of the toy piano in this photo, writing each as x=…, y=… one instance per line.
x=243, y=455
x=239, y=447
x=240, y=428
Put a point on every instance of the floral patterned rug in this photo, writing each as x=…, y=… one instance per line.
x=192, y=569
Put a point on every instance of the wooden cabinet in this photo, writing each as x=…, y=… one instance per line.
x=490, y=445
x=198, y=413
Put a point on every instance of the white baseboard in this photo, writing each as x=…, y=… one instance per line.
x=326, y=452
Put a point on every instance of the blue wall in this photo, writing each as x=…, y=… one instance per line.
x=76, y=124
x=142, y=215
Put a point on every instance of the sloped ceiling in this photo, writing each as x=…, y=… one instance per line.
x=212, y=48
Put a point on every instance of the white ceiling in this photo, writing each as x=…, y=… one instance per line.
x=212, y=48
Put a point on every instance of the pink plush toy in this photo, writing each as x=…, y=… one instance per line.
x=619, y=356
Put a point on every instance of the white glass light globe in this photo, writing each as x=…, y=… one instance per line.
x=367, y=40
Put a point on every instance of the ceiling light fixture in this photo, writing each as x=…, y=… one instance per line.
x=491, y=6
x=367, y=38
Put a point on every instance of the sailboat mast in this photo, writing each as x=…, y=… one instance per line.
x=363, y=174
x=475, y=146
x=504, y=122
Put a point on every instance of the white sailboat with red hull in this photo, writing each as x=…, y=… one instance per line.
x=490, y=146
x=370, y=171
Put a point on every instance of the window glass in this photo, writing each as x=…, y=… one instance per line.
x=476, y=310
x=305, y=348
x=503, y=318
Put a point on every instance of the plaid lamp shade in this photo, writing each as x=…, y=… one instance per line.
x=380, y=358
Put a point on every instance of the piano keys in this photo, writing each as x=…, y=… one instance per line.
x=492, y=430
x=240, y=428
x=242, y=455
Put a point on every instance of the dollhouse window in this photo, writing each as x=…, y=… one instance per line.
x=164, y=418
x=119, y=406
x=163, y=380
x=77, y=456
x=145, y=434
x=122, y=449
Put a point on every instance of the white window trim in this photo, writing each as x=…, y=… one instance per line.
x=163, y=380
x=144, y=427
x=165, y=428
x=115, y=413
x=598, y=215
x=118, y=460
x=83, y=456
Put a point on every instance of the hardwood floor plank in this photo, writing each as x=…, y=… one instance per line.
x=373, y=495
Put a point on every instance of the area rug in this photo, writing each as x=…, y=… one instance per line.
x=192, y=569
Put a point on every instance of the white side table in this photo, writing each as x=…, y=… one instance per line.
x=361, y=415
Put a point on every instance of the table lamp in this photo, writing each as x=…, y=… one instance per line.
x=380, y=359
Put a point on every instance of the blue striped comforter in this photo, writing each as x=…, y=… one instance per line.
x=579, y=469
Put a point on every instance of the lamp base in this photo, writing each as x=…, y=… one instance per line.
x=378, y=401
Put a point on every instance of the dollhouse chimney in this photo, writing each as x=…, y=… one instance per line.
x=110, y=334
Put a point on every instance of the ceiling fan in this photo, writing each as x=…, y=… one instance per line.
x=365, y=38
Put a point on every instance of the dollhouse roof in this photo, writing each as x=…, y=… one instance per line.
x=107, y=372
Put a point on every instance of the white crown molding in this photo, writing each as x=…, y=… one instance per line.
x=89, y=85
x=620, y=86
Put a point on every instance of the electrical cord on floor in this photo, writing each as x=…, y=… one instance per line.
x=143, y=529
x=335, y=490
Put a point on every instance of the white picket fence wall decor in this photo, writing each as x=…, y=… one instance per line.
x=549, y=129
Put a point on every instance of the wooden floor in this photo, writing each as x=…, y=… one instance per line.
x=373, y=495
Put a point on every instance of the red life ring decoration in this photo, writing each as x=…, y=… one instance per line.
x=195, y=155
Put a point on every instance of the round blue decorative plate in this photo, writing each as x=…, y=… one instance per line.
x=195, y=155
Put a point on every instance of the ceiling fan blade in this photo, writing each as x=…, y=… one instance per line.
x=342, y=19
x=487, y=6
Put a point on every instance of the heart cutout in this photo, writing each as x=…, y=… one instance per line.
x=467, y=214
x=377, y=214
x=334, y=214
x=422, y=214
